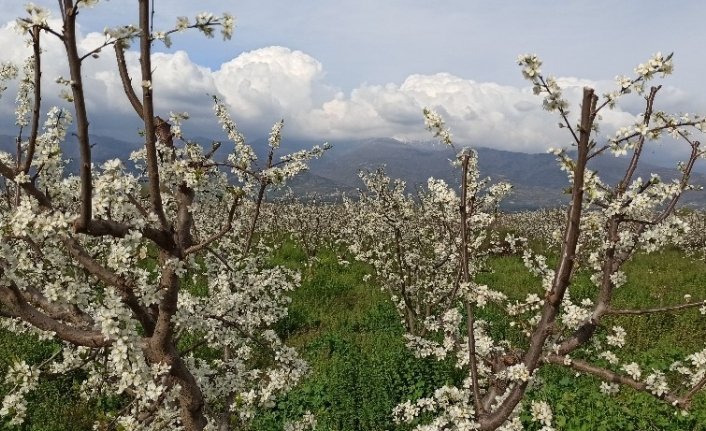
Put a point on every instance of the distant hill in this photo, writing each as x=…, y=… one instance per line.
x=538, y=182
x=103, y=148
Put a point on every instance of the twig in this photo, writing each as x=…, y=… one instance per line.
x=655, y=310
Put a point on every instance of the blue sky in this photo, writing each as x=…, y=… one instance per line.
x=350, y=69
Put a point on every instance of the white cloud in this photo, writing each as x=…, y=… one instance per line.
x=272, y=82
x=267, y=84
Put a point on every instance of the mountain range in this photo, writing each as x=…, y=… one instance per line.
x=537, y=180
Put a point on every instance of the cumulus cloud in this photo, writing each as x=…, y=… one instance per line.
x=271, y=84
x=265, y=85
x=179, y=83
x=478, y=113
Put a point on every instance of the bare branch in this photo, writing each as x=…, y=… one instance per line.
x=127, y=81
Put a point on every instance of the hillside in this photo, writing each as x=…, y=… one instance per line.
x=538, y=182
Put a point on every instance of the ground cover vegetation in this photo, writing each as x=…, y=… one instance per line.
x=177, y=299
x=350, y=333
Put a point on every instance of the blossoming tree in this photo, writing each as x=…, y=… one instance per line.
x=413, y=242
x=152, y=283
x=605, y=225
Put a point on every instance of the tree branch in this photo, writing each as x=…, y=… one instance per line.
x=71, y=45
x=610, y=376
x=28, y=187
x=125, y=286
x=12, y=298
x=224, y=230
x=37, y=103
x=148, y=116
x=472, y=361
x=620, y=189
x=563, y=274
x=127, y=81
x=666, y=309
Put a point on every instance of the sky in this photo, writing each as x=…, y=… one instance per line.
x=358, y=69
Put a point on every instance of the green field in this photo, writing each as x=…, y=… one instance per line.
x=351, y=335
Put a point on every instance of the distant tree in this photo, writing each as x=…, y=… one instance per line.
x=153, y=284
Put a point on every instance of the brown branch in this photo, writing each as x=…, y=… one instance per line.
x=684, y=180
x=89, y=358
x=565, y=268
x=148, y=116
x=71, y=45
x=29, y=187
x=563, y=113
x=656, y=129
x=60, y=312
x=29, y=241
x=245, y=171
x=12, y=298
x=611, y=264
x=113, y=424
x=472, y=361
x=643, y=311
x=143, y=212
x=160, y=346
x=193, y=347
x=119, y=230
x=127, y=81
x=185, y=220
x=37, y=103
x=98, y=49
x=264, y=182
x=224, y=420
x=221, y=258
x=224, y=230
x=614, y=261
x=125, y=286
x=237, y=327
x=215, y=145
x=697, y=387
x=636, y=134
x=8, y=314
x=620, y=189
x=43, y=27
x=613, y=377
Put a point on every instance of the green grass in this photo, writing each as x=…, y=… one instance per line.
x=657, y=340
x=351, y=335
x=55, y=405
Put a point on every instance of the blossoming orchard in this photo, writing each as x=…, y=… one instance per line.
x=152, y=280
